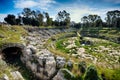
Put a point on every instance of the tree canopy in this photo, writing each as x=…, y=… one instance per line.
x=37, y=18
x=10, y=19
x=113, y=18
x=63, y=18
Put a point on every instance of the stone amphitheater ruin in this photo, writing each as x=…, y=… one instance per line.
x=43, y=64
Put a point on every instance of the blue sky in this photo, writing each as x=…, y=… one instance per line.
x=76, y=8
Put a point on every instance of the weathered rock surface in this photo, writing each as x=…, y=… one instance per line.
x=59, y=76
x=5, y=77
x=17, y=75
x=44, y=65
x=60, y=61
x=38, y=59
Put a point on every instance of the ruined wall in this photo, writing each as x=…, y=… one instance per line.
x=36, y=57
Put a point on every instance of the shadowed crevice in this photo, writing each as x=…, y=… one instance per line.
x=12, y=54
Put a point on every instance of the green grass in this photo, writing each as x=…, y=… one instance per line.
x=60, y=46
x=110, y=74
x=7, y=68
x=111, y=34
x=60, y=50
x=4, y=69
x=77, y=43
x=11, y=34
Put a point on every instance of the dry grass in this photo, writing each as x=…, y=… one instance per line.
x=11, y=34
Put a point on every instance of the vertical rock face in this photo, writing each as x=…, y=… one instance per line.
x=47, y=65
x=44, y=65
x=60, y=61
x=38, y=59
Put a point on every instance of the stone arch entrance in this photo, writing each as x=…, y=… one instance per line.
x=12, y=52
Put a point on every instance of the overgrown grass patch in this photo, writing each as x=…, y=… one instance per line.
x=11, y=34
x=60, y=46
x=100, y=49
x=110, y=74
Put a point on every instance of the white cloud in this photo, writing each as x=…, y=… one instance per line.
x=42, y=4
x=77, y=12
x=24, y=4
x=2, y=16
x=76, y=9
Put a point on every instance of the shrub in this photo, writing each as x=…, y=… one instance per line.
x=91, y=73
x=82, y=67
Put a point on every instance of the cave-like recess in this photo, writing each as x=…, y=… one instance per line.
x=12, y=54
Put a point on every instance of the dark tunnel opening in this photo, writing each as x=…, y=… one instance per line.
x=12, y=54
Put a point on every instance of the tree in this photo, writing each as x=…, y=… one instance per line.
x=118, y=22
x=55, y=23
x=10, y=19
x=84, y=19
x=113, y=18
x=48, y=19
x=34, y=22
x=40, y=19
x=99, y=23
x=91, y=74
x=91, y=21
x=63, y=18
x=32, y=17
x=27, y=12
x=34, y=14
x=26, y=21
x=82, y=66
x=18, y=21
x=77, y=25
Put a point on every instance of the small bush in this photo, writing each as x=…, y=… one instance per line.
x=91, y=73
x=82, y=67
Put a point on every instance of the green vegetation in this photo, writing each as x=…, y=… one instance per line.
x=109, y=74
x=82, y=66
x=17, y=65
x=96, y=45
x=111, y=34
x=36, y=18
x=91, y=74
x=102, y=49
x=61, y=45
x=11, y=34
x=5, y=69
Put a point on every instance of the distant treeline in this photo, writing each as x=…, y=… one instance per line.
x=112, y=20
x=37, y=18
